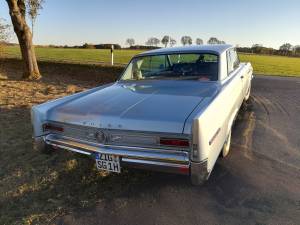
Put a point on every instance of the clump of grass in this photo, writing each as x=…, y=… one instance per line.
x=3, y=76
x=71, y=89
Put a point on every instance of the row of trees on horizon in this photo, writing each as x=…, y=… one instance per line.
x=151, y=43
x=286, y=50
x=169, y=41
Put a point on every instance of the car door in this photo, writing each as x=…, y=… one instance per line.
x=237, y=78
x=228, y=101
x=245, y=74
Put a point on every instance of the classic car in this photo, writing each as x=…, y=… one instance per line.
x=171, y=110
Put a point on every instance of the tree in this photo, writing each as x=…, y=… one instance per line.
x=257, y=46
x=88, y=46
x=34, y=6
x=17, y=11
x=199, y=41
x=130, y=42
x=4, y=34
x=296, y=49
x=186, y=40
x=3, y=31
x=213, y=41
x=153, y=41
x=165, y=40
x=172, y=42
x=286, y=47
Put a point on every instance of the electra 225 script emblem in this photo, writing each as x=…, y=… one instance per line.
x=101, y=137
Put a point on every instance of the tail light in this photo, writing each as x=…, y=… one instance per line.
x=52, y=127
x=174, y=142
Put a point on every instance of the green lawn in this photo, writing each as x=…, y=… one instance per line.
x=273, y=65
x=83, y=56
x=270, y=65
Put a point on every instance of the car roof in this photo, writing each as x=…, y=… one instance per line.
x=216, y=49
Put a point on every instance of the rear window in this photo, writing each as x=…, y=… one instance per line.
x=196, y=66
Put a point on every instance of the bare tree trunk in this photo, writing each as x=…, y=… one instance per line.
x=32, y=24
x=17, y=14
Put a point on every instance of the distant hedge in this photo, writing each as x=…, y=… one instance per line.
x=269, y=51
x=142, y=47
x=107, y=46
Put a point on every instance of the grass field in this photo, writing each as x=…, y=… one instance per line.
x=83, y=56
x=270, y=65
x=273, y=65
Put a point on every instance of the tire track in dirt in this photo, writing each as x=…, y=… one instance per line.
x=277, y=128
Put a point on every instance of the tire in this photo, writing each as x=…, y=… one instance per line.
x=226, y=146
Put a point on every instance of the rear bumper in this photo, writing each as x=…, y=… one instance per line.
x=144, y=158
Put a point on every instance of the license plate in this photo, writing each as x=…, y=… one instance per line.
x=108, y=162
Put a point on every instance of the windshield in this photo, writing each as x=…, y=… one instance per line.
x=198, y=66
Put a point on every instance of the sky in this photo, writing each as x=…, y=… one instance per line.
x=238, y=22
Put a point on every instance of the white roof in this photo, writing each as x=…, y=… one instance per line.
x=217, y=49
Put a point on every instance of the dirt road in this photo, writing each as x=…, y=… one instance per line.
x=258, y=183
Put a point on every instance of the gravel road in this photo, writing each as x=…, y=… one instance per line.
x=258, y=183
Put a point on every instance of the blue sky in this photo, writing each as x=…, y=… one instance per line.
x=242, y=22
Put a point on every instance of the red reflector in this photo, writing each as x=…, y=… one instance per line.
x=51, y=127
x=175, y=142
x=184, y=170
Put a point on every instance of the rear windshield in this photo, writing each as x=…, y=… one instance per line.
x=196, y=66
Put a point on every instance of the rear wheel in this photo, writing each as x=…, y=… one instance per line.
x=226, y=147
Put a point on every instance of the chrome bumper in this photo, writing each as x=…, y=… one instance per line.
x=144, y=158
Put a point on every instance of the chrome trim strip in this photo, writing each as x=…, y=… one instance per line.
x=157, y=166
x=178, y=157
x=148, y=162
x=69, y=148
x=214, y=136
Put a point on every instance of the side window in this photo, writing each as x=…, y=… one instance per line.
x=233, y=61
x=236, y=59
x=229, y=62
